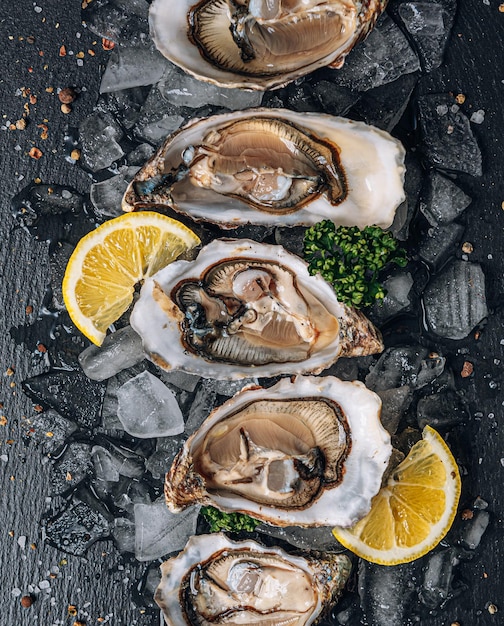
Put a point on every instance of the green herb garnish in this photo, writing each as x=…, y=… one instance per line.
x=236, y=522
x=350, y=259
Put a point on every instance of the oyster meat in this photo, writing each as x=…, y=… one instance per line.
x=305, y=452
x=218, y=581
x=274, y=166
x=259, y=44
x=247, y=309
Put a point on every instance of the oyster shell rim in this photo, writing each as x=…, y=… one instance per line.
x=322, y=126
x=366, y=19
x=172, y=570
x=318, y=513
x=357, y=335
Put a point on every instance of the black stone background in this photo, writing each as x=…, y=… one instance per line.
x=473, y=66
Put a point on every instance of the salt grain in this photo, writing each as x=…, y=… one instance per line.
x=478, y=117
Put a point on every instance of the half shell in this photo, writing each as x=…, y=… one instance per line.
x=275, y=167
x=308, y=452
x=247, y=309
x=218, y=581
x=259, y=44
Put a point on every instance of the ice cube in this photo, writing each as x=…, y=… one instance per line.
x=404, y=365
x=429, y=25
x=132, y=67
x=158, y=118
x=381, y=58
x=104, y=466
x=442, y=201
x=183, y=90
x=395, y=403
x=123, y=534
x=474, y=529
x=203, y=403
x=387, y=592
x=397, y=297
x=147, y=408
x=119, y=351
x=440, y=243
x=122, y=21
x=99, y=137
x=159, y=532
x=304, y=538
x=437, y=578
x=160, y=461
x=106, y=196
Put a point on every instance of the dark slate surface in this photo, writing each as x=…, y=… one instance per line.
x=100, y=584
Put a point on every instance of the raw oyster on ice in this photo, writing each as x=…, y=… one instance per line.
x=218, y=581
x=305, y=452
x=274, y=166
x=247, y=309
x=259, y=44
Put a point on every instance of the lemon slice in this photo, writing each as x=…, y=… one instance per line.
x=107, y=263
x=414, y=511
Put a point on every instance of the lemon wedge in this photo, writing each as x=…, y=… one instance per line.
x=108, y=263
x=415, y=509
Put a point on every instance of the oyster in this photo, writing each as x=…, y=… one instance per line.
x=307, y=452
x=218, y=581
x=274, y=166
x=259, y=44
x=247, y=309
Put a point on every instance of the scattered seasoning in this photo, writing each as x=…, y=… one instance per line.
x=80, y=55
x=9, y=371
x=27, y=601
x=38, y=408
x=35, y=153
x=501, y=8
x=67, y=95
x=467, y=247
x=68, y=476
x=49, y=89
x=467, y=514
x=75, y=155
x=79, y=623
x=72, y=610
x=107, y=44
x=62, y=51
x=66, y=109
x=492, y=609
x=460, y=98
x=3, y=420
x=21, y=124
x=41, y=348
x=467, y=369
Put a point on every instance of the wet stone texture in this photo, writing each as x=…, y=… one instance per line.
x=66, y=454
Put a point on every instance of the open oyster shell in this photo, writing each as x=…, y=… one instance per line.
x=218, y=581
x=247, y=309
x=259, y=44
x=275, y=167
x=307, y=452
